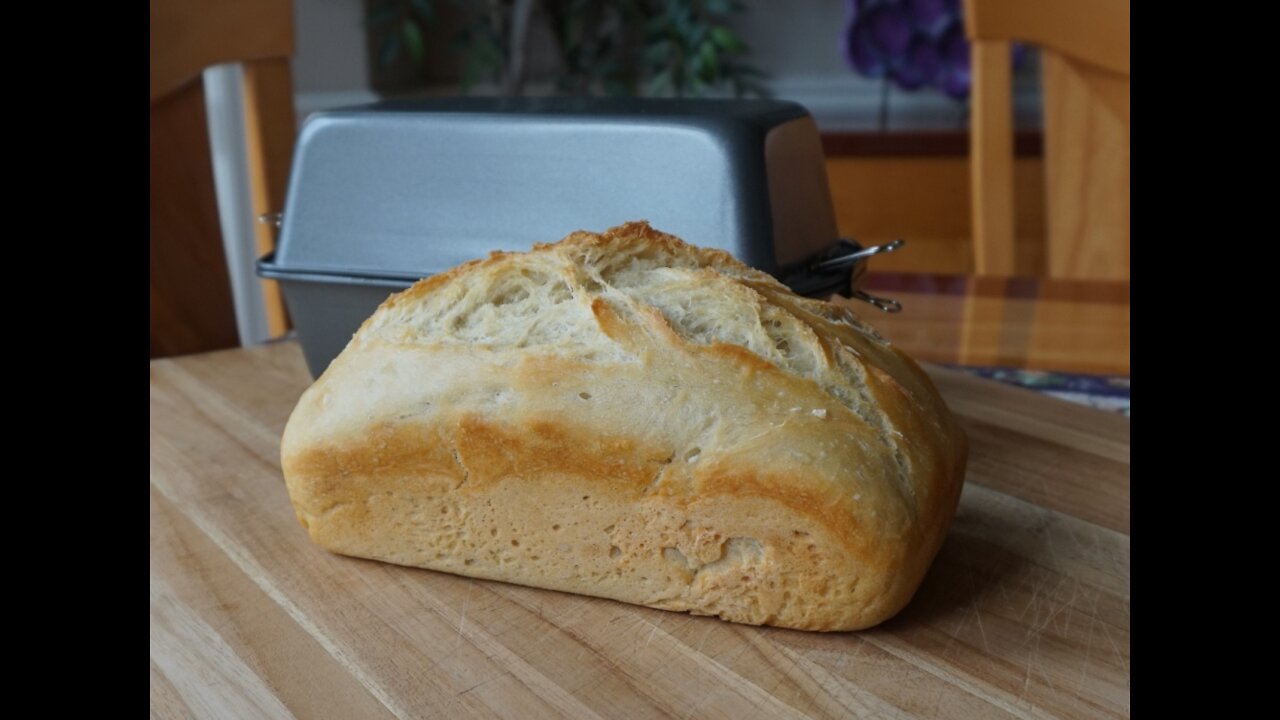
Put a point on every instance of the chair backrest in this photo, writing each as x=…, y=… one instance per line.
x=1087, y=133
x=188, y=36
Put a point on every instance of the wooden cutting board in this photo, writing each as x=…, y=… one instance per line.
x=1024, y=614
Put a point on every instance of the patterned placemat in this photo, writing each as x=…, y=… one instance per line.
x=1100, y=391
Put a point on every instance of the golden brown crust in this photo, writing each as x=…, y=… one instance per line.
x=629, y=416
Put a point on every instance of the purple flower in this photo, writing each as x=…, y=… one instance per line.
x=861, y=53
x=920, y=66
x=890, y=29
x=931, y=17
x=916, y=43
x=955, y=78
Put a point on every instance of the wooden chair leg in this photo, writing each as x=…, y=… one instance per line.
x=991, y=159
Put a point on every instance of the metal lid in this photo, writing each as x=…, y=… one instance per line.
x=410, y=189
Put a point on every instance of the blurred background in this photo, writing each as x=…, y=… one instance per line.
x=993, y=135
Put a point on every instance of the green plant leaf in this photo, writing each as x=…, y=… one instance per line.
x=725, y=38
x=697, y=88
x=697, y=35
x=389, y=50
x=681, y=18
x=658, y=53
x=660, y=84
x=413, y=41
x=710, y=61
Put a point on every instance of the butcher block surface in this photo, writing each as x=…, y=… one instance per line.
x=1024, y=614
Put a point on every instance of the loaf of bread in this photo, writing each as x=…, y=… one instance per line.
x=632, y=417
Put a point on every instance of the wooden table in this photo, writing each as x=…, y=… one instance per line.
x=1024, y=614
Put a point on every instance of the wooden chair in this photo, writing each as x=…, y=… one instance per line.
x=1087, y=134
x=190, y=296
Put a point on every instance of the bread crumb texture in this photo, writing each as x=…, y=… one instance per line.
x=629, y=416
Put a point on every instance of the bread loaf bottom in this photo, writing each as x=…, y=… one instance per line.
x=631, y=417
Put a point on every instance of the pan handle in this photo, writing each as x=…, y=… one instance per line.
x=837, y=269
x=848, y=260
